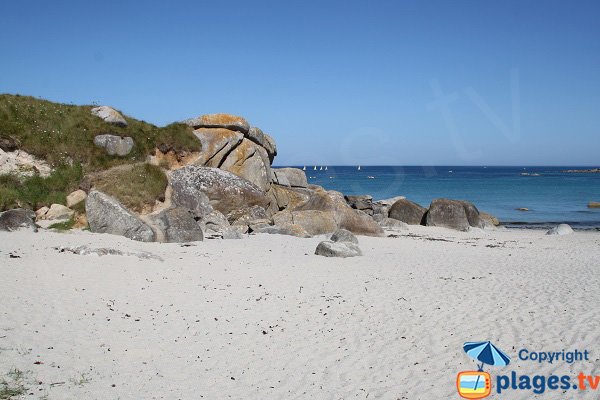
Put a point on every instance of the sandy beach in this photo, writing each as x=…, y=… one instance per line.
x=263, y=317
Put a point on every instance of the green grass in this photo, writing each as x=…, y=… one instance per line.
x=35, y=192
x=144, y=184
x=63, y=226
x=62, y=133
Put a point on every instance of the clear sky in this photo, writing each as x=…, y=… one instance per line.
x=334, y=82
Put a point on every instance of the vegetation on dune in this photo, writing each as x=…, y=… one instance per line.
x=140, y=184
x=63, y=135
x=35, y=192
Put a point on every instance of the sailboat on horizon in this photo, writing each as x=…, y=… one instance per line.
x=358, y=168
x=304, y=168
x=315, y=168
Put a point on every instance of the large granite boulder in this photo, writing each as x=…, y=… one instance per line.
x=226, y=121
x=16, y=219
x=347, y=218
x=262, y=139
x=110, y=115
x=314, y=222
x=453, y=214
x=225, y=191
x=407, y=211
x=106, y=214
x=338, y=249
x=176, y=225
x=114, y=145
x=295, y=177
x=230, y=151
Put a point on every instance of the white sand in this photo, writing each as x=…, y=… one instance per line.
x=264, y=318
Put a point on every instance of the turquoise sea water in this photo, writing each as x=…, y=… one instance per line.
x=551, y=196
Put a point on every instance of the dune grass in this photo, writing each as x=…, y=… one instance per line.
x=36, y=191
x=62, y=133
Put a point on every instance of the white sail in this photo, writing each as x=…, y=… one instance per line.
x=304, y=168
x=321, y=168
x=359, y=167
x=315, y=168
x=325, y=168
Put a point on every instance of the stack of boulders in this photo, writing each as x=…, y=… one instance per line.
x=231, y=189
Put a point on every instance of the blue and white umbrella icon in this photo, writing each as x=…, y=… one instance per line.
x=486, y=353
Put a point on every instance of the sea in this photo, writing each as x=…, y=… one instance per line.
x=550, y=195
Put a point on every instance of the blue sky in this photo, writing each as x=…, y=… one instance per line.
x=348, y=82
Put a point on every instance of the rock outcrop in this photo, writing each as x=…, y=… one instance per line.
x=347, y=218
x=114, y=145
x=453, y=214
x=407, y=211
x=193, y=185
x=106, y=214
x=110, y=115
x=231, y=151
x=16, y=219
x=21, y=163
x=338, y=249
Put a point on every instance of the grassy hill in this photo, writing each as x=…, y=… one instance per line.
x=63, y=135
